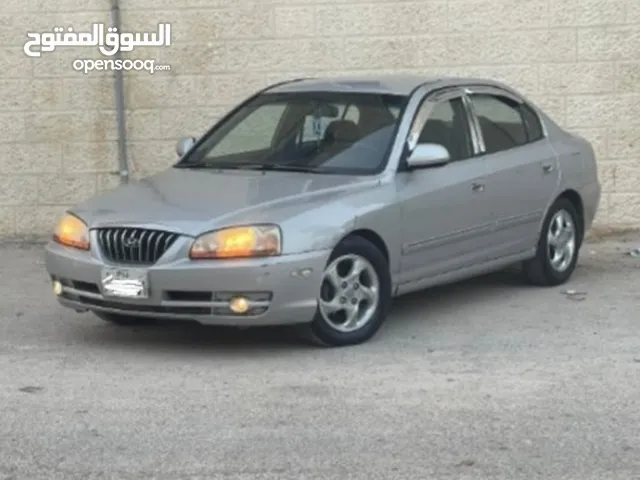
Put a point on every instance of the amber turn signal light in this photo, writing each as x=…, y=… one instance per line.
x=72, y=232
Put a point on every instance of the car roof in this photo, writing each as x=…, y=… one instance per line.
x=394, y=84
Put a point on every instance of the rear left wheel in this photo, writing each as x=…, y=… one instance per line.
x=558, y=246
x=354, y=297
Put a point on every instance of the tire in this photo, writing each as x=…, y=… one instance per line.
x=124, y=320
x=327, y=329
x=542, y=270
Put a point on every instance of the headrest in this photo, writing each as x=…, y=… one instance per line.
x=342, y=131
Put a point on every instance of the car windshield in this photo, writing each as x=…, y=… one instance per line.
x=320, y=132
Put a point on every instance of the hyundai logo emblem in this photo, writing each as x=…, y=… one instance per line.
x=131, y=242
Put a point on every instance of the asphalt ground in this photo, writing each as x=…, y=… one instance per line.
x=483, y=379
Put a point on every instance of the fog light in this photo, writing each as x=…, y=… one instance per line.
x=57, y=288
x=239, y=305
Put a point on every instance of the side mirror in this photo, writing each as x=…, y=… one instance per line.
x=426, y=155
x=184, y=145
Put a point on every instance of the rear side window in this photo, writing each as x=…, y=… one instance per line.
x=500, y=121
x=532, y=121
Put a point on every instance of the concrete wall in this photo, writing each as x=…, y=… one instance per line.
x=579, y=59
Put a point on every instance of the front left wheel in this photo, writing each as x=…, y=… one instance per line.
x=354, y=297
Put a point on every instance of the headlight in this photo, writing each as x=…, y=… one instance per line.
x=72, y=232
x=238, y=242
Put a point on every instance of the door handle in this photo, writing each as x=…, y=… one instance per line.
x=547, y=168
x=477, y=187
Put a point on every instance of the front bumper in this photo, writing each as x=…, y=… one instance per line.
x=282, y=290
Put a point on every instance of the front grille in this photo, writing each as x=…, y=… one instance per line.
x=134, y=245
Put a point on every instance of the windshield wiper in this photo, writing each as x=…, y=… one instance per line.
x=213, y=166
x=283, y=167
x=191, y=165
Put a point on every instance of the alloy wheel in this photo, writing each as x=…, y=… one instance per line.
x=350, y=293
x=561, y=241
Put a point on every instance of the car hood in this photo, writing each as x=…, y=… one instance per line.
x=193, y=201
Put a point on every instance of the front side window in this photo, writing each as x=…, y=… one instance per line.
x=324, y=132
x=501, y=122
x=447, y=125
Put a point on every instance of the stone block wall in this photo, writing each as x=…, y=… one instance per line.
x=578, y=59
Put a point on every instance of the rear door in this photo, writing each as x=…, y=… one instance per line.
x=522, y=168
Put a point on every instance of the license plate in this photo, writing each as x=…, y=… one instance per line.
x=125, y=282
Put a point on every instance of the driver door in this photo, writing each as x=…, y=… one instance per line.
x=446, y=224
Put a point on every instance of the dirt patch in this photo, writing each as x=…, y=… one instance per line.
x=602, y=234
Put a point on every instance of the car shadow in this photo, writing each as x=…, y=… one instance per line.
x=189, y=336
x=482, y=288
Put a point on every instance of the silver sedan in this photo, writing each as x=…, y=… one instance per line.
x=316, y=201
